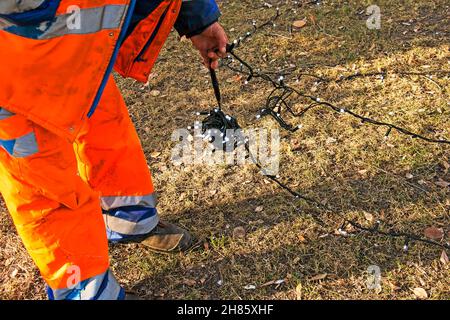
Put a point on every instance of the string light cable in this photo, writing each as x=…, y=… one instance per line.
x=277, y=101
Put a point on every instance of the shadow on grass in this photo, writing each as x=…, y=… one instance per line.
x=271, y=252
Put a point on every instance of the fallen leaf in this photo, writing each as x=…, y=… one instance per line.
x=268, y=283
x=260, y=221
x=319, y=277
x=420, y=293
x=442, y=183
x=368, y=216
x=239, y=233
x=259, y=209
x=298, y=291
x=155, y=154
x=295, y=144
x=235, y=78
x=299, y=24
x=14, y=273
x=155, y=93
x=393, y=286
x=434, y=233
x=409, y=176
x=189, y=282
x=250, y=287
x=444, y=258
x=330, y=140
x=446, y=165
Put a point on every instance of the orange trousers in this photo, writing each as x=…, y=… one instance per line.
x=66, y=197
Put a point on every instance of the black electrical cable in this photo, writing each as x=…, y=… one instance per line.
x=278, y=98
x=218, y=120
x=276, y=102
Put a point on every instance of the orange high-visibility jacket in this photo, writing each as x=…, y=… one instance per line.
x=56, y=55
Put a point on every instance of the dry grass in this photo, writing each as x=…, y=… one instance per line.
x=357, y=174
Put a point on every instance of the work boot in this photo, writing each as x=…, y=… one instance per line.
x=167, y=237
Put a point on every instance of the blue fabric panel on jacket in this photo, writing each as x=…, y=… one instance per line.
x=195, y=15
x=132, y=213
x=45, y=12
x=8, y=145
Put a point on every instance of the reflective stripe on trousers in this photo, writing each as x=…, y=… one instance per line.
x=101, y=287
x=128, y=217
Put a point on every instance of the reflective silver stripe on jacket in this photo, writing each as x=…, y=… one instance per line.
x=90, y=20
x=81, y=21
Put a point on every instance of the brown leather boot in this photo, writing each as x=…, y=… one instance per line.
x=167, y=237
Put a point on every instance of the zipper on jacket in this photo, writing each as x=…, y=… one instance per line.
x=108, y=71
x=152, y=37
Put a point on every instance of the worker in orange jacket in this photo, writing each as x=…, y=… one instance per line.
x=72, y=170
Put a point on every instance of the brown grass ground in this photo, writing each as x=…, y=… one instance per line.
x=357, y=174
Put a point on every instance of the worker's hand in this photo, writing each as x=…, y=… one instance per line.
x=212, y=44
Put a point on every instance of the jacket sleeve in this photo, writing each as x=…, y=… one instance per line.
x=195, y=16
